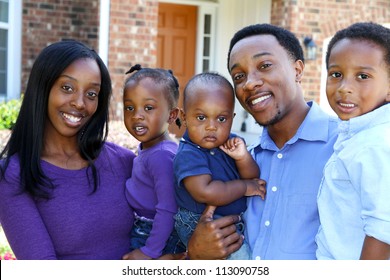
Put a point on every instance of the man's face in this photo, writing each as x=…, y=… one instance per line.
x=265, y=78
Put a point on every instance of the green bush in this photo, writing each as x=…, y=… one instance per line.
x=9, y=112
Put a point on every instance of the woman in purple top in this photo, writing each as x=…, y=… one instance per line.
x=61, y=185
x=150, y=98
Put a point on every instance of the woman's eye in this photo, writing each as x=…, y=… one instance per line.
x=67, y=88
x=92, y=94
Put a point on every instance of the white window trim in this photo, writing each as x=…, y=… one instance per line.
x=104, y=30
x=14, y=49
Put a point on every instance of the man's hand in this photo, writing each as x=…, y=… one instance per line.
x=214, y=239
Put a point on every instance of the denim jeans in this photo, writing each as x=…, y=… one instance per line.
x=185, y=224
x=141, y=231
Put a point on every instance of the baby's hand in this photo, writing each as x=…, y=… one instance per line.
x=234, y=147
x=255, y=187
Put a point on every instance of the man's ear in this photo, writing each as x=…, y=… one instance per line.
x=299, y=67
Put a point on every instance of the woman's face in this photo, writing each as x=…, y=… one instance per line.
x=73, y=99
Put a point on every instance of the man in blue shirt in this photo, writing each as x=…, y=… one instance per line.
x=266, y=65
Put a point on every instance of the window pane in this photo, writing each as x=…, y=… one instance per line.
x=206, y=65
x=207, y=24
x=3, y=61
x=4, y=10
x=3, y=83
x=206, y=46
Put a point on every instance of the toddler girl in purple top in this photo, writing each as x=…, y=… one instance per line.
x=150, y=98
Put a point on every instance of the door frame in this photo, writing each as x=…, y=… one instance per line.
x=204, y=8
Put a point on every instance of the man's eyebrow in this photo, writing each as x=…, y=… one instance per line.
x=257, y=55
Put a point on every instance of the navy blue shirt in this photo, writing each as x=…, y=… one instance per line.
x=193, y=160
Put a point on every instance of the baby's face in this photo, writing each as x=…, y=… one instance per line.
x=209, y=115
x=358, y=79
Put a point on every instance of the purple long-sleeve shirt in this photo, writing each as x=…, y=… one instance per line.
x=151, y=193
x=75, y=223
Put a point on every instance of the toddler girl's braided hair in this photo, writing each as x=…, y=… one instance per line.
x=163, y=77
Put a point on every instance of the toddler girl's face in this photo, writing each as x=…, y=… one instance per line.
x=146, y=111
x=358, y=78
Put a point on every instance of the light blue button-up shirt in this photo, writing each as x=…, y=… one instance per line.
x=354, y=196
x=285, y=224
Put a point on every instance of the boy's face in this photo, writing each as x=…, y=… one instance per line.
x=358, y=78
x=209, y=112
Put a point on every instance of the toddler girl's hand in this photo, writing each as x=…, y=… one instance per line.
x=255, y=187
x=136, y=255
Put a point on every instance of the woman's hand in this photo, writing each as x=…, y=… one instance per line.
x=138, y=255
x=214, y=239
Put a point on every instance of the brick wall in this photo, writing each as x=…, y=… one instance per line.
x=133, y=39
x=45, y=22
x=321, y=19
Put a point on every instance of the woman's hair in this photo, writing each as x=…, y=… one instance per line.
x=365, y=31
x=26, y=139
x=162, y=77
x=285, y=38
x=206, y=78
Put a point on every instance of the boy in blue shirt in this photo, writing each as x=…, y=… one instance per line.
x=353, y=199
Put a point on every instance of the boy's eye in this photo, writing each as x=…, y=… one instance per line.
x=200, y=118
x=265, y=65
x=335, y=74
x=129, y=108
x=222, y=119
x=363, y=76
x=148, y=108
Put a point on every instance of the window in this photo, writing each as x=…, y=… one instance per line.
x=3, y=46
x=205, y=39
x=10, y=48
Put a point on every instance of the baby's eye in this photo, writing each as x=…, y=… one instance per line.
x=200, y=118
x=221, y=119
